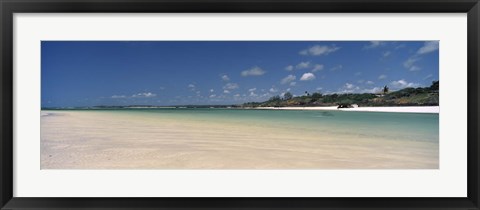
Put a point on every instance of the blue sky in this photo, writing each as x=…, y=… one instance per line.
x=89, y=73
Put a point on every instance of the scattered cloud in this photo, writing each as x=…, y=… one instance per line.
x=317, y=67
x=212, y=90
x=336, y=68
x=303, y=65
x=414, y=68
x=191, y=86
x=374, y=44
x=118, y=96
x=428, y=77
x=289, y=68
x=288, y=79
x=383, y=76
x=212, y=96
x=403, y=84
x=318, y=50
x=255, y=71
x=230, y=86
x=225, y=78
x=307, y=77
x=293, y=83
x=369, y=82
x=273, y=90
x=410, y=62
x=399, y=46
x=386, y=54
x=144, y=95
x=252, y=89
x=226, y=91
x=428, y=47
x=319, y=88
x=349, y=85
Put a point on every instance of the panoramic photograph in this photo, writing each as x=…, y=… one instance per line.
x=239, y=105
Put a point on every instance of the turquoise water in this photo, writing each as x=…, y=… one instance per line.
x=392, y=126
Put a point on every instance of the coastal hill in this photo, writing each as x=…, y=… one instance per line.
x=420, y=96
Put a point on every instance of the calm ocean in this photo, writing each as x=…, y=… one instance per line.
x=385, y=125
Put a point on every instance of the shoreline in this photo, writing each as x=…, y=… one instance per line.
x=396, y=109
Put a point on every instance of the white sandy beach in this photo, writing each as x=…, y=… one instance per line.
x=99, y=140
x=401, y=109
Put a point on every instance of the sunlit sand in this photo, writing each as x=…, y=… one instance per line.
x=100, y=140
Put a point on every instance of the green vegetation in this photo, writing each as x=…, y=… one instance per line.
x=421, y=96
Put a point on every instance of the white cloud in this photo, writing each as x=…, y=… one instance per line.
x=226, y=91
x=336, y=68
x=307, y=77
x=252, y=89
x=225, y=78
x=212, y=96
x=289, y=68
x=386, y=54
x=303, y=65
x=383, y=76
x=349, y=85
x=410, y=62
x=288, y=79
x=253, y=94
x=414, y=68
x=403, y=84
x=288, y=89
x=273, y=90
x=230, y=86
x=237, y=95
x=293, y=83
x=428, y=77
x=370, y=82
x=191, y=86
x=318, y=50
x=118, y=96
x=317, y=67
x=374, y=44
x=428, y=47
x=319, y=88
x=255, y=71
x=144, y=95
x=212, y=90
x=399, y=46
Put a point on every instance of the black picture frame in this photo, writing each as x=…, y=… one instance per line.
x=9, y=7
